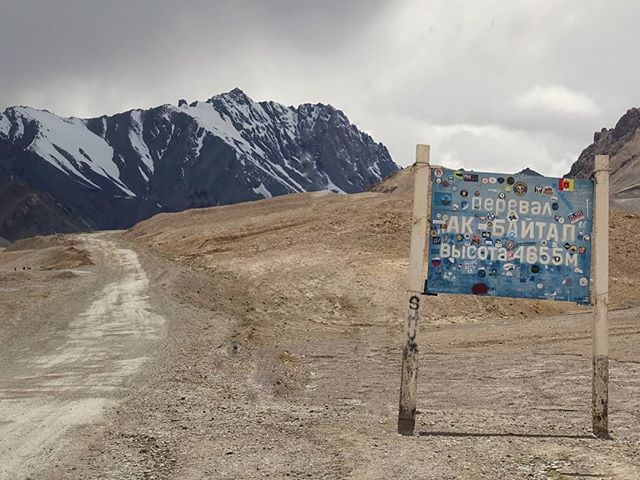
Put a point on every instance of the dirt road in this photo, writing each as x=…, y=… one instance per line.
x=89, y=339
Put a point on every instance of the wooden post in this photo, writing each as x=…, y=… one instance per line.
x=419, y=232
x=600, y=392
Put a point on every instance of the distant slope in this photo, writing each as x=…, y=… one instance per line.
x=25, y=212
x=622, y=144
x=113, y=171
x=399, y=182
x=402, y=181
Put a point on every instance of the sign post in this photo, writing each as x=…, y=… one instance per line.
x=409, y=381
x=600, y=394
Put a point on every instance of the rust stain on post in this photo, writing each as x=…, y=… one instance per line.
x=601, y=396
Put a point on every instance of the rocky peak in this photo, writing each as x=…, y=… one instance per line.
x=530, y=172
x=628, y=123
x=622, y=145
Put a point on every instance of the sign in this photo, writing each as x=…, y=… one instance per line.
x=510, y=235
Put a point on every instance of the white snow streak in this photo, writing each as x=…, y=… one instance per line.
x=262, y=190
x=5, y=126
x=137, y=140
x=332, y=187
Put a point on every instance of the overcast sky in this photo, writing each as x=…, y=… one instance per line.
x=491, y=84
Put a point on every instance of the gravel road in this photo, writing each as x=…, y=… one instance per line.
x=92, y=337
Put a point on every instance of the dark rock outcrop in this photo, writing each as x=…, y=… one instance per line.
x=622, y=144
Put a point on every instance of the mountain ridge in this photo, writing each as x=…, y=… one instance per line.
x=115, y=170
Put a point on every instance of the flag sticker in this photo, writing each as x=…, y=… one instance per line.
x=565, y=184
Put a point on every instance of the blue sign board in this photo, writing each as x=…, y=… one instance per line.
x=510, y=235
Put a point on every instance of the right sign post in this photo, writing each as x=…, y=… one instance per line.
x=513, y=235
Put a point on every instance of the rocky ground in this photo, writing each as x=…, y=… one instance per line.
x=281, y=357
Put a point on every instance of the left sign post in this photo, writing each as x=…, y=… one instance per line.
x=419, y=234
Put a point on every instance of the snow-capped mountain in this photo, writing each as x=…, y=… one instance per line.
x=113, y=171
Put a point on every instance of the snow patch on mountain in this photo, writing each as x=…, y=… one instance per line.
x=5, y=126
x=137, y=141
x=68, y=145
x=332, y=187
x=262, y=190
x=210, y=119
x=58, y=136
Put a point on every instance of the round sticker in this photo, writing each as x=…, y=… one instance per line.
x=485, y=180
x=454, y=188
x=437, y=172
x=555, y=206
x=438, y=180
x=464, y=193
x=501, y=195
x=520, y=188
x=493, y=179
x=535, y=268
x=510, y=180
x=583, y=282
x=500, y=180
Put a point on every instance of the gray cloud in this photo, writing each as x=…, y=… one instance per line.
x=492, y=84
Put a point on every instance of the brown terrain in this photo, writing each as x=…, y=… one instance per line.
x=262, y=340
